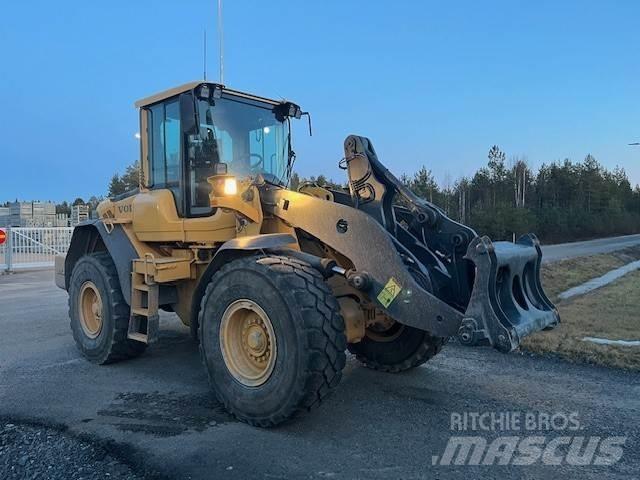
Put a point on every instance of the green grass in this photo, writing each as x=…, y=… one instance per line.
x=611, y=312
x=560, y=276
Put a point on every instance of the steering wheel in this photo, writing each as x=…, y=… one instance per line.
x=258, y=164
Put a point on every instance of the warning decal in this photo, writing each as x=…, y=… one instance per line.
x=389, y=292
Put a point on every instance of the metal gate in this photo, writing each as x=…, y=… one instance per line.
x=33, y=247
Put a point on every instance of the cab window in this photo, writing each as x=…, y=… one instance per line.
x=164, y=143
x=163, y=126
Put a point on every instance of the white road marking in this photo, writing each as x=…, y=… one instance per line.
x=600, y=281
x=606, y=341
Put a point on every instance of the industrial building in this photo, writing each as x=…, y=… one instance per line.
x=32, y=214
x=79, y=213
x=4, y=217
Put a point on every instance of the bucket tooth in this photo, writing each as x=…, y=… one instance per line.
x=507, y=302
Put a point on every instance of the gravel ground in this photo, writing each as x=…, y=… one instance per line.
x=39, y=452
x=156, y=413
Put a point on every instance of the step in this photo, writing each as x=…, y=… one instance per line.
x=164, y=269
x=139, y=337
x=143, y=312
x=152, y=331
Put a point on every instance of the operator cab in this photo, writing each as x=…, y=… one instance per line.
x=201, y=129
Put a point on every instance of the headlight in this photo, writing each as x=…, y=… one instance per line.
x=230, y=186
x=223, y=185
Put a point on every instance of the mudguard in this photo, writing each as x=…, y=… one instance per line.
x=265, y=241
x=228, y=251
x=92, y=236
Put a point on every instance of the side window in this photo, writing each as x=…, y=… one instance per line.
x=163, y=125
x=172, y=142
x=156, y=144
x=164, y=143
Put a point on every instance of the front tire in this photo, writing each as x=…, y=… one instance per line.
x=397, y=348
x=394, y=347
x=98, y=312
x=271, y=337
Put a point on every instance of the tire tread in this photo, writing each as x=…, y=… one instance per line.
x=322, y=322
x=427, y=349
x=121, y=348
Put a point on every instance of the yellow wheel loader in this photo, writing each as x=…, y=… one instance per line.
x=277, y=284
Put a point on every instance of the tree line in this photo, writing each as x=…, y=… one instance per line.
x=561, y=201
x=117, y=185
x=65, y=207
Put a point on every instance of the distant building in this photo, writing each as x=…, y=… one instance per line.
x=33, y=214
x=79, y=213
x=21, y=214
x=62, y=220
x=4, y=216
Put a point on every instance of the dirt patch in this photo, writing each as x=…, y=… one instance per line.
x=610, y=312
x=164, y=414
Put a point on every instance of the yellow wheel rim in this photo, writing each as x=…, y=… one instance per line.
x=248, y=342
x=384, y=332
x=90, y=309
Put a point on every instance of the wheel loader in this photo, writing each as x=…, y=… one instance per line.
x=276, y=285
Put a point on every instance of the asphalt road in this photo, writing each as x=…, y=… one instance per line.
x=156, y=412
x=562, y=251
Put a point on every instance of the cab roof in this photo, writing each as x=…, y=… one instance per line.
x=158, y=97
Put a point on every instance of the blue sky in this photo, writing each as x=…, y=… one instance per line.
x=431, y=83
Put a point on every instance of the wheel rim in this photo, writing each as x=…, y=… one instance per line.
x=90, y=308
x=384, y=332
x=248, y=342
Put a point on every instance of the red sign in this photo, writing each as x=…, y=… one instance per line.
x=3, y=236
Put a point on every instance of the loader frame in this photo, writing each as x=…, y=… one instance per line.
x=392, y=252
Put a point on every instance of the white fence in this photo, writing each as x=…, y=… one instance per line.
x=33, y=247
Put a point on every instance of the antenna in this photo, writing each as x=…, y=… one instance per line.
x=204, y=56
x=221, y=41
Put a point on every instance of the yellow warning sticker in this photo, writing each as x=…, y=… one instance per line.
x=389, y=292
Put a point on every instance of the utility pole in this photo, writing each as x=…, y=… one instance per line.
x=204, y=57
x=635, y=144
x=221, y=41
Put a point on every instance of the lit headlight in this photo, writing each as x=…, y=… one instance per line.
x=230, y=186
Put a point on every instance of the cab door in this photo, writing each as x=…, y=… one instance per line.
x=201, y=155
x=164, y=149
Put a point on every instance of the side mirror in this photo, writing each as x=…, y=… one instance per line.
x=188, y=120
x=287, y=109
x=220, y=168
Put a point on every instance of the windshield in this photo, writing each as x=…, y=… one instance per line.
x=245, y=135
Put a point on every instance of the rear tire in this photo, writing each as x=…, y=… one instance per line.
x=98, y=312
x=271, y=338
x=400, y=348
